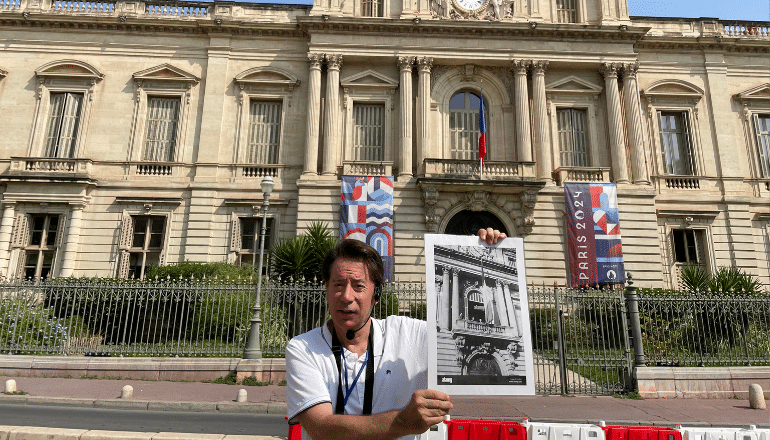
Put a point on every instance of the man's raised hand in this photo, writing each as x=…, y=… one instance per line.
x=425, y=409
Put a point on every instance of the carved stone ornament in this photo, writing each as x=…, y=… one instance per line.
x=477, y=200
x=528, y=201
x=610, y=70
x=630, y=69
x=490, y=10
x=520, y=66
x=539, y=66
x=430, y=197
x=333, y=61
x=315, y=60
x=405, y=63
x=425, y=64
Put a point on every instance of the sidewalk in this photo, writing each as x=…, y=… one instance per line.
x=271, y=399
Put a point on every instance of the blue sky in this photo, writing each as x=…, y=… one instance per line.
x=755, y=10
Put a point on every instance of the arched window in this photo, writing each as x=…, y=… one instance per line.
x=464, y=125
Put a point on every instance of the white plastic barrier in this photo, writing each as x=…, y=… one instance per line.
x=563, y=431
x=698, y=433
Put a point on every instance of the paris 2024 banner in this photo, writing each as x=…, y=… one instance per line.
x=593, y=234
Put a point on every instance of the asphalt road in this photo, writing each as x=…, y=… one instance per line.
x=142, y=421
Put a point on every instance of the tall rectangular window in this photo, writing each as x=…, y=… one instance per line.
x=160, y=136
x=573, y=137
x=762, y=128
x=566, y=11
x=264, y=132
x=689, y=246
x=371, y=8
x=464, y=125
x=63, y=123
x=676, y=142
x=368, y=131
x=250, y=234
x=40, y=252
x=146, y=243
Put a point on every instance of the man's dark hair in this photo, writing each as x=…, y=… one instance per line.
x=357, y=250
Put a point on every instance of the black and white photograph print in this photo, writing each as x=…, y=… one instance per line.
x=478, y=318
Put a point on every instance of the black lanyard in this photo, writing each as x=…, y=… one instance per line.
x=368, y=386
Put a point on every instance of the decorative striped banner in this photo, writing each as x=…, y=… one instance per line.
x=366, y=214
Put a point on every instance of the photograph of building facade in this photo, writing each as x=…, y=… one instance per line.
x=136, y=133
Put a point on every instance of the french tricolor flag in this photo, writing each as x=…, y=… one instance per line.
x=482, y=132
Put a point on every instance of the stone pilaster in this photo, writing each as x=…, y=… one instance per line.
x=6, y=229
x=423, y=111
x=455, y=297
x=615, y=121
x=71, y=243
x=405, y=134
x=523, y=134
x=540, y=109
x=634, y=126
x=313, y=121
x=331, y=115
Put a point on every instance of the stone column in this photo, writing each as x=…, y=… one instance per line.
x=331, y=115
x=444, y=321
x=405, y=88
x=72, y=240
x=540, y=109
x=634, y=124
x=455, y=298
x=511, y=309
x=502, y=312
x=6, y=229
x=523, y=136
x=313, y=121
x=423, y=111
x=617, y=144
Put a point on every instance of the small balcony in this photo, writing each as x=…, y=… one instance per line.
x=681, y=183
x=471, y=170
x=475, y=328
x=580, y=174
x=50, y=167
x=367, y=168
x=258, y=171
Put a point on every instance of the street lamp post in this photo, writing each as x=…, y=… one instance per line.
x=253, y=348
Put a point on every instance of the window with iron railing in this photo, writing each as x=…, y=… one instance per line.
x=371, y=8
x=264, y=132
x=762, y=129
x=566, y=11
x=573, y=137
x=464, y=126
x=676, y=143
x=63, y=124
x=368, y=132
x=161, y=129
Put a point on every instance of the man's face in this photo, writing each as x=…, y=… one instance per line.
x=350, y=294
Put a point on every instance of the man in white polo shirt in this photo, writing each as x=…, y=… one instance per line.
x=358, y=377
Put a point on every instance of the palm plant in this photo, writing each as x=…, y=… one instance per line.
x=301, y=257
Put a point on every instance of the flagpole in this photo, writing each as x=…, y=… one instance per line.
x=482, y=134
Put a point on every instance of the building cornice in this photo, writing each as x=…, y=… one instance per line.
x=716, y=43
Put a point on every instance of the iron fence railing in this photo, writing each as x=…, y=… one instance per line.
x=705, y=329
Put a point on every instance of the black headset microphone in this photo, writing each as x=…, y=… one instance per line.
x=350, y=334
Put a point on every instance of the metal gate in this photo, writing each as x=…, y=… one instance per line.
x=580, y=341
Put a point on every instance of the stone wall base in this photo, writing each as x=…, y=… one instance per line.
x=181, y=369
x=701, y=382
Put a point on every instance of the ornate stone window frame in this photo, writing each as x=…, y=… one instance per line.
x=164, y=81
x=668, y=220
x=497, y=101
x=368, y=87
x=676, y=96
x=267, y=84
x=754, y=101
x=575, y=93
x=20, y=233
x=63, y=76
x=140, y=206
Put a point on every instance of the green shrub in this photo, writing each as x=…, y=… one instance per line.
x=188, y=270
x=23, y=324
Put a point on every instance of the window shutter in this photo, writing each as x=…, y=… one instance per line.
x=763, y=143
x=687, y=148
x=20, y=231
x=160, y=138
x=20, y=266
x=69, y=126
x=60, y=232
x=162, y=258
x=126, y=233
x=264, y=132
x=55, y=112
x=235, y=237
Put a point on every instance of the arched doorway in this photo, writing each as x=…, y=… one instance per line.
x=469, y=222
x=484, y=365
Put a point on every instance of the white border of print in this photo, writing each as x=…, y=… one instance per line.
x=528, y=389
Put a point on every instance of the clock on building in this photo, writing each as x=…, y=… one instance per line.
x=470, y=5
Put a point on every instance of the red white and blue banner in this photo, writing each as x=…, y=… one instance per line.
x=593, y=234
x=366, y=214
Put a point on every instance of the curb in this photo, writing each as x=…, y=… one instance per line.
x=277, y=408
x=28, y=432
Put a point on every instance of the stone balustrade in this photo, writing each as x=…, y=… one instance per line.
x=259, y=171
x=362, y=168
x=677, y=183
x=464, y=169
x=36, y=165
x=581, y=174
x=743, y=29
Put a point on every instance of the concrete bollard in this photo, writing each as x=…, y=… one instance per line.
x=10, y=386
x=241, y=396
x=127, y=392
x=756, y=397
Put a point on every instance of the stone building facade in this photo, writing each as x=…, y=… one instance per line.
x=136, y=133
